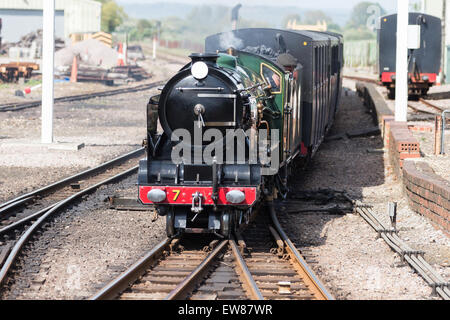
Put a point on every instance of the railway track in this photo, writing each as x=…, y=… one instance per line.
x=432, y=106
x=25, y=214
x=363, y=79
x=87, y=96
x=262, y=264
x=424, y=110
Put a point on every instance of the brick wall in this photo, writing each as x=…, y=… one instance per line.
x=428, y=194
x=401, y=144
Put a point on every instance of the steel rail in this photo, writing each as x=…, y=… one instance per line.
x=249, y=282
x=362, y=79
x=114, y=288
x=21, y=222
x=310, y=278
x=184, y=288
x=431, y=105
x=420, y=111
x=62, y=204
x=87, y=96
x=412, y=257
x=23, y=199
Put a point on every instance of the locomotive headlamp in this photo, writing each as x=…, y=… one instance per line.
x=156, y=195
x=425, y=78
x=200, y=70
x=235, y=197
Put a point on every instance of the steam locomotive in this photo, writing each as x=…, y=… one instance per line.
x=424, y=55
x=235, y=121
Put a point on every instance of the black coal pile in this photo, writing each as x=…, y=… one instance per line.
x=27, y=42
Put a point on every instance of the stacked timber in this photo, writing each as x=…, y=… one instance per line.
x=115, y=75
x=134, y=72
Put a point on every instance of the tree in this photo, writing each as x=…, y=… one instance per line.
x=315, y=16
x=145, y=29
x=113, y=15
x=334, y=27
x=415, y=7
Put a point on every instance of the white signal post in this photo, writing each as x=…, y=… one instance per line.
x=443, y=74
x=155, y=42
x=401, y=77
x=48, y=58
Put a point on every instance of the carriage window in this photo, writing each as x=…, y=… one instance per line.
x=272, y=78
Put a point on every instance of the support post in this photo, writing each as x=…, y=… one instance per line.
x=392, y=211
x=443, y=74
x=125, y=49
x=156, y=38
x=437, y=135
x=154, y=46
x=47, y=70
x=401, y=90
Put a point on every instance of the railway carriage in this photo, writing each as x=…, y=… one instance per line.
x=424, y=54
x=274, y=88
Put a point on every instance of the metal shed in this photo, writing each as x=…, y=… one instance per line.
x=72, y=16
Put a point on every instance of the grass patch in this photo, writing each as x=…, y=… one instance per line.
x=33, y=82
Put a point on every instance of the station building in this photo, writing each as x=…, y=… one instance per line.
x=435, y=8
x=20, y=17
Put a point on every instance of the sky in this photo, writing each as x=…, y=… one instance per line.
x=315, y=4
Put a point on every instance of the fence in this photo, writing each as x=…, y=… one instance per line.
x=184, y=44
x=362, y=53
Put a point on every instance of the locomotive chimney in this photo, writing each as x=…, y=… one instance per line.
x=205, y=57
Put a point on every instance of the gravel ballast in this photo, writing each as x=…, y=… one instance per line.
x=350, y=258
x=108, y=127
x=88, y=244
x=85, y=247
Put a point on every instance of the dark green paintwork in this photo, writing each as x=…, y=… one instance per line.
x=249, y=67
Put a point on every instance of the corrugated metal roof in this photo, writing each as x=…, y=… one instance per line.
x=79, y=15
x=37, y=4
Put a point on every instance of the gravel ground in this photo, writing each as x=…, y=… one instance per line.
x=353, y=263
x=439, y=89
x=366, y=72
x=85, y=247
x=108, y=126
x=89, y=244
x=156, y=69
x=62, y=89
x=440, y=164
